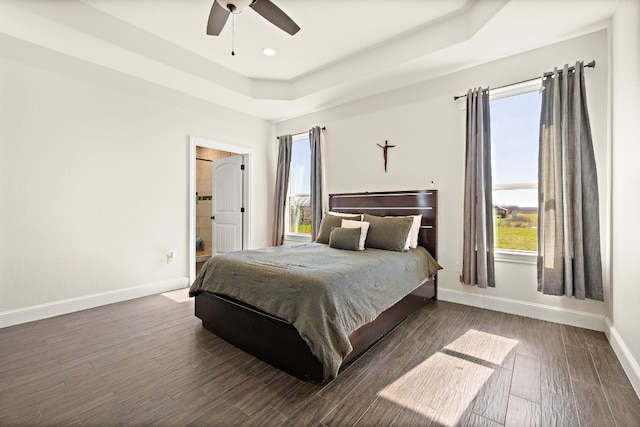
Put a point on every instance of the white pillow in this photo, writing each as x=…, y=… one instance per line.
x=362, y=225
x=415, y=230
x=345, y=214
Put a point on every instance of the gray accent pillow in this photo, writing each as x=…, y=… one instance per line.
x=388, y=233
x=345, y=238
x=329, y=221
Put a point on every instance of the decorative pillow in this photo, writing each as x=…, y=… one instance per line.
x=345, y=238
x=389, y=233
x=331, y=220
x=412, y=237
x=363, y=226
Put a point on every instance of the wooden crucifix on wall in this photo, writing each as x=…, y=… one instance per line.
x=385, y=149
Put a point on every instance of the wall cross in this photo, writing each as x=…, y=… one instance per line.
x=385, y=149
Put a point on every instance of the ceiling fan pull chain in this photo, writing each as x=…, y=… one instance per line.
x=233, y=34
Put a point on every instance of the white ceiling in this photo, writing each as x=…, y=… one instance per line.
x=345, y=50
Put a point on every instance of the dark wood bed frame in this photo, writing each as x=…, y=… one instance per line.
x=277, y=342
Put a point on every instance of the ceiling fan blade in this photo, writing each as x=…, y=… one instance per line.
x=277, y=17
x=217, y=18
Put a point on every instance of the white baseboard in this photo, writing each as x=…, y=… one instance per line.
x=43, y=311
x=537, y=311
x=628, y=362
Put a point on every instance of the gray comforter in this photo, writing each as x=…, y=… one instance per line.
x=325, y=293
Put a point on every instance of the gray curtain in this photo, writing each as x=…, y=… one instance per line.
x=317, y=197
x=477, y=250
x=282, y=188
x=569, y=260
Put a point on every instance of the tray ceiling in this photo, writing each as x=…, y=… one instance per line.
x=345, y=50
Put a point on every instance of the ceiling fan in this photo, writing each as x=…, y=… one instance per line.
x=222, y=8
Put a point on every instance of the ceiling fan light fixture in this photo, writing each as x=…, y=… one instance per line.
x=269, y=51
x=235, y=6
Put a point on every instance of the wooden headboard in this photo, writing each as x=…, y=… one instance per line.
x=390, y=203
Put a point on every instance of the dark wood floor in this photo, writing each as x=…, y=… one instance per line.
x=150, y=362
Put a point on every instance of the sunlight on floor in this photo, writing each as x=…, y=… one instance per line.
x=442, y=387
x=180, y=295
x=481, y=345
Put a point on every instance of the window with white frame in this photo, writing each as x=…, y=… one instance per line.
x=298, y=212
x=515, y=128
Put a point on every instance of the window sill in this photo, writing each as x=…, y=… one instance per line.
x=516, y=257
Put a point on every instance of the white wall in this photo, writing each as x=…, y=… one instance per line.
x=94, y=177
x=626, y=181
x=427, y=127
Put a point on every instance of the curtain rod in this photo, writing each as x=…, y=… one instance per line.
x=322, y=128
x=591, y=64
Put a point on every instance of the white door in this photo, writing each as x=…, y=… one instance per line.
x=227, y=204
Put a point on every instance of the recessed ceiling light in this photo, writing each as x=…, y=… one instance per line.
x=269, y=51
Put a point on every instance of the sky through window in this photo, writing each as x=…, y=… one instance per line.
x=515, y=122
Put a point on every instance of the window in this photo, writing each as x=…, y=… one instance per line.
x=298, y=214
x=515, y=122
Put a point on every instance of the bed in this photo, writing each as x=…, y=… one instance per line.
x=277, y=341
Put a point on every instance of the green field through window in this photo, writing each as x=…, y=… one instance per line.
x=517, y=233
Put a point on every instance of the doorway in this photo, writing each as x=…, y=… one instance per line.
x=208, y=218
x=204, y=154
